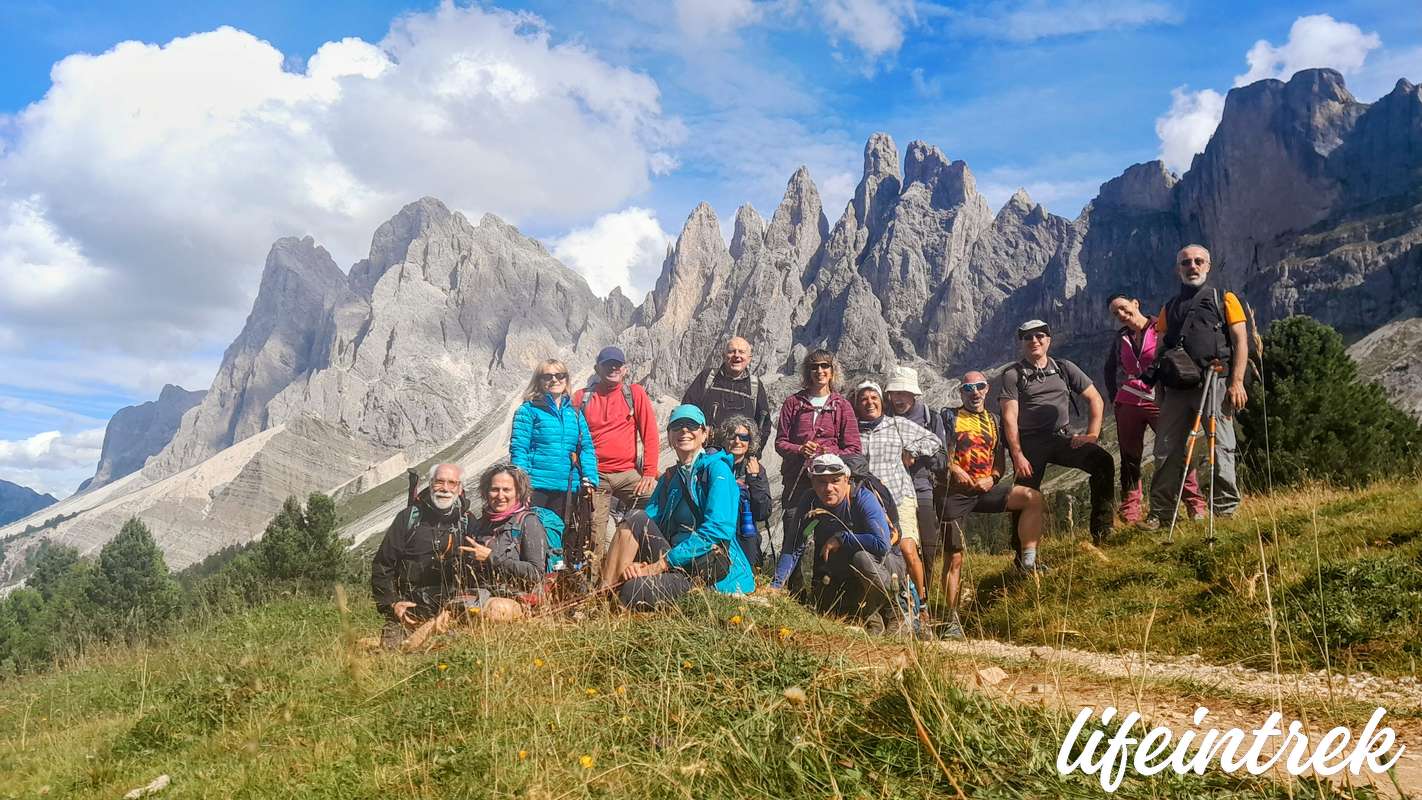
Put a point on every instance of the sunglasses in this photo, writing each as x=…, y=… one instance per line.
x=683, y=425
x=977, y=386
x=1029, y=337
x=553, y=376
x=827, y=469
x=742, y=437
x=1197, y=261
x=821, y=366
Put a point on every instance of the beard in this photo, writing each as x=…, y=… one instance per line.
x=443, y=500
x=1195, y=282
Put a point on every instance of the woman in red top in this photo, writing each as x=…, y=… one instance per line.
x=1132, y=352
x=817, y=419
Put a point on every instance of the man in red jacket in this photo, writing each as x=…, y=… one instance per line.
x=618, y=414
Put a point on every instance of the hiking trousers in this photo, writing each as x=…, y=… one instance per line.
x=1131, y=424
x=1172, y=434
x=1042, y=449
x=621, y=485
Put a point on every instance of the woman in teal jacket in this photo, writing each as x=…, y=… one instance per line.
x=550, y=439
x=687, y=530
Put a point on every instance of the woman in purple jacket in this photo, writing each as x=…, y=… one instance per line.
x=817, y=419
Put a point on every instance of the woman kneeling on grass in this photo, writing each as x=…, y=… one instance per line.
x=503, y=554
x=688, y=529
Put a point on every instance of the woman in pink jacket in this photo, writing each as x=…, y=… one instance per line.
x=1132, y=352
x=817, y=419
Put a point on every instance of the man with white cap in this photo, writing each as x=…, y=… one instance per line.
x=888, y=443
x=1036, y=401
x=857, y=562
x=906, y=400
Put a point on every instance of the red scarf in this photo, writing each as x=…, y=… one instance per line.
x=516, y=509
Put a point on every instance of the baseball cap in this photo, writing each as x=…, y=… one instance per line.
x=611, y=353
x=904, y=379
x=687, y=411
x=828, y=464
x=1033, y=325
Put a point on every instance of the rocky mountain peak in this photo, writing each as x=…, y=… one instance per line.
x=392, y=239
x=135, y=433
x=879, y=188
x=949, y=183
x=1145, y=187
x=749, y=232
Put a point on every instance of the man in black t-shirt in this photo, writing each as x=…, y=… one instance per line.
x=1036, y=396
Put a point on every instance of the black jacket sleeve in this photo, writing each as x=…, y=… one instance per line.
x=763, y=414
x=758, y=486
x=1112, y=358
x=694, y=394
x=385, y=565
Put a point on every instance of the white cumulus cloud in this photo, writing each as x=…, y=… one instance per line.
x=1317, y=40
x=700, y=19
x=51, y=462
x=625, y=248
x=139, y=196
x=1186, y=128
x=876, y=27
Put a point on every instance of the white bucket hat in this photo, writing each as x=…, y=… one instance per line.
x=905, y=379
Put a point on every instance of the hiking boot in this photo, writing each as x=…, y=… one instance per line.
x=1151, y=524
x=952, y=630
x=874, y=624
x=392, y=635
x=1037, y=568
x=1197, y=516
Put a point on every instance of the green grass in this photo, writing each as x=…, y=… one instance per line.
x=1336, y=577
x=282, y=702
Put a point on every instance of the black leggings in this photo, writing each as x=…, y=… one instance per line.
x=654, y=591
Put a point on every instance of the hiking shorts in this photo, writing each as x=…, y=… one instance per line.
x=957, y=505
x=908, y=521
x=654, y=591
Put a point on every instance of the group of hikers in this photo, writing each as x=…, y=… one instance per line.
x=876, y=484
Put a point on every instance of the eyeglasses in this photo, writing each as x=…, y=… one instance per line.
x=612, y=366
x=684, y=425
x=976, y=386
x=1197, y=261
x=827, y=469
x=742, y=437
x=820, y=366
x=553, y=376
x=1031, y=337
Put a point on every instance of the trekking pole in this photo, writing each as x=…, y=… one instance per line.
x=1216, y=368
x=1196, y=430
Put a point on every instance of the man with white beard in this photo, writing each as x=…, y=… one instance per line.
x=415, y=571
x=1209, y=325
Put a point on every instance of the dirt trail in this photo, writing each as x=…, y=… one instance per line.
x=1166, y=691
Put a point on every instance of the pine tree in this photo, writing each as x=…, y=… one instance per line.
x=301, y=544
x=132, y=588
x=1323, y=422
x=52, y=564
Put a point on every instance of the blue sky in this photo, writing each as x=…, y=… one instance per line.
x=141, y=186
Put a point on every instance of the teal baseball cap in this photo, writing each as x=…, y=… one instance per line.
x=686, y=411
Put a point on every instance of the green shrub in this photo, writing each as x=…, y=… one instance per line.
x=1322, y=421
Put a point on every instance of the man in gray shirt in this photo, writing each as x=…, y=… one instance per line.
x=1036, y=410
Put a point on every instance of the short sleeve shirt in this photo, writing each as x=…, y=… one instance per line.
x=1045, y=402
x=976, y=438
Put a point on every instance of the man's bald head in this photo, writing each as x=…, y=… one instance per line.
x=737, y=356
x=974, y=390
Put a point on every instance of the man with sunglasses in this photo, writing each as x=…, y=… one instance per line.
x=976, y=462
x=1209, y=325
x=1036, y=394
x=618, y=415
x=856, y=561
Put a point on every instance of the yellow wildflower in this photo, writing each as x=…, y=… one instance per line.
x=591, y=691
x=537, y=662
x=522, y=754
x=442, y=667
x=686, y=665
x=586, y=761
x=736, y=620
x=785, y=633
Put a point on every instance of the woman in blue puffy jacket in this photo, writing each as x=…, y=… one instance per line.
x=550, y=439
